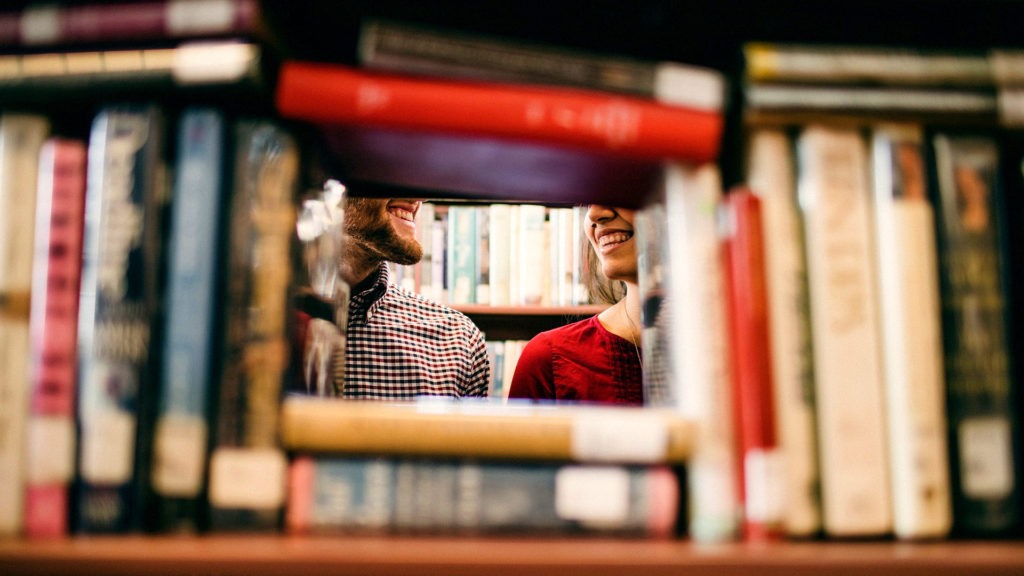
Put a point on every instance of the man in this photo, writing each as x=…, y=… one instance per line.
x=399, y=344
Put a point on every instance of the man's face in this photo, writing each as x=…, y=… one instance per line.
x=385, y=227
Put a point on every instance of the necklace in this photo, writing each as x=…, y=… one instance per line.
x=633, y=331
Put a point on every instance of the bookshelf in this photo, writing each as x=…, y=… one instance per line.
x=696, y=31
x=252, y=555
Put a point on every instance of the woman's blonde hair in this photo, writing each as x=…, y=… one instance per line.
x=600, y=289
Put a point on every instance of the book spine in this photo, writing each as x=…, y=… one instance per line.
x=181, y=430
x=42, y=25
x=532, y=272
x=983, y=426
x=865, y=65
x=761, y=458
x=399, y=47
x=21, y=138
x=56, y=276
x=31, y=78
x=500, y=221
x=911, y=334
x=462, y=254
x=771, y=175
x=686, y=347
x=580, y=119
x=835, y=198
x=254, y=352
x=456, y=496
x=118, y=329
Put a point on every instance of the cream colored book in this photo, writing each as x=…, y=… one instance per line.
x=21, y=139
x=911, y=334
x=835, y=195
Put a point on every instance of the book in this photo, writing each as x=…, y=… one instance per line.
x=181, y=430
x=21, y=137
x=835, y=199
x=462, y=254
x=771, y=175
x=767, y=103
x=761, y=458
x=38, y=24
x=875, y=65
x=247, y=468
x=119, y=317
x=53, y=329
x=459, y=496
x=687, y=359
x=201, y=68
x=328, y=94
x=485, y=430
x=443, y=52
x=499, y=252
x=911, y=334
x=532, y=275
x=983, y=424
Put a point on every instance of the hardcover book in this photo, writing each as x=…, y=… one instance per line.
x=38, y=24
x=761, y=459
x=687, y=360
x=419, y=49
x=983, y=424
x=486, y=430
x=21, y=137
x=771, y=175
x=247, y=465
x=849, y=387
x=181, y=431
x=53, y=326
x=911, y=334
x=119, y=317
x=435, y=496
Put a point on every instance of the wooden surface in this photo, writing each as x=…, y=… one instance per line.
x=452, y=556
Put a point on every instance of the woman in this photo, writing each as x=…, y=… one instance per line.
x=598, y=359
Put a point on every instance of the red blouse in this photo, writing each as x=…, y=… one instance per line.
x=580, y=362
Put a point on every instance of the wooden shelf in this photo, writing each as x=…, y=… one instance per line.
x=522, y=322
x=247, y=555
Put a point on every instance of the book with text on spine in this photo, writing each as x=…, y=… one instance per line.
x=463, y=496
x=247, y=468
x=980, y=390
x=56, y=276
x=119, y=317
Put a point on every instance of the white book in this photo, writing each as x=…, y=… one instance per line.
x=699, y=359
x=532, y=273
x=911, y=334
x=21, y=139
x=771, y=175
x=835, y=196
x=499, y=252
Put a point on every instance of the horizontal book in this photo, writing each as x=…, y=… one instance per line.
x=331, y=494
x=865, y=64
x=333, y=94
x=487, y=430
x=38, y=23
x=771, y=102
x=420, y=49
x=198, y=66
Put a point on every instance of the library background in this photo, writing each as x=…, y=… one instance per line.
x=831, y=236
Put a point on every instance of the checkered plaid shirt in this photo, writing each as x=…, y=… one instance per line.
x=401, y=345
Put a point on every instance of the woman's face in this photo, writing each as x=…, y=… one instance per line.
x=610, y=231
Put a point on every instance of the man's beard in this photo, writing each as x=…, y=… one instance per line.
x=376, y=235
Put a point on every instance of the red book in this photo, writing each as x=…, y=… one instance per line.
x=53, y=325
x=760, y=465
x=583, y=119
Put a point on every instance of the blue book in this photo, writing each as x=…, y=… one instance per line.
x=193, y=252
x=118, y=315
